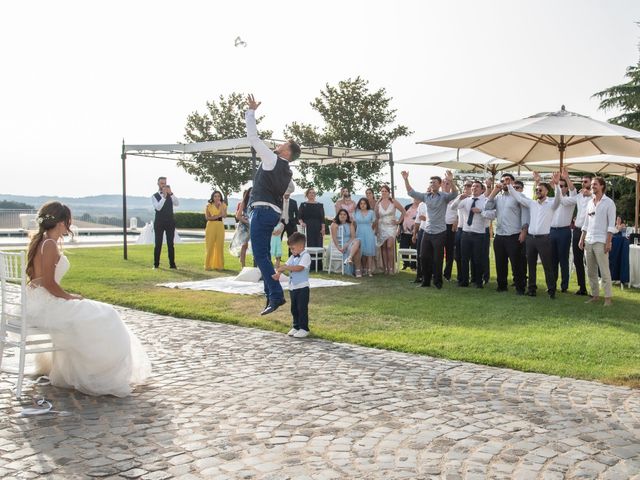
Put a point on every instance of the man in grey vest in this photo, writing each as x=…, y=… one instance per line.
x=271, y=182
x=163, y=202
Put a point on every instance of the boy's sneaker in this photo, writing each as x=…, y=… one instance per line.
x=292, y=332
x=301, y=333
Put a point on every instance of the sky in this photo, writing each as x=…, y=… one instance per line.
x=79, y=77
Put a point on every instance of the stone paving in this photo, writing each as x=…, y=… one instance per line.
x=227, y=402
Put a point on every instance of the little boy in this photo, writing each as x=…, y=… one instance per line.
x=298, y=265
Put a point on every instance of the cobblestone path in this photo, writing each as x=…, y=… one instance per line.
x=229, y=402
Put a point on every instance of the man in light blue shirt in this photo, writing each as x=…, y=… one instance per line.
x=434, y=237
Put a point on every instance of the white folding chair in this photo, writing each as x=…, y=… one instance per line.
x=407, y=255
x=13, y=316
x=335, y=255
x=316, y=253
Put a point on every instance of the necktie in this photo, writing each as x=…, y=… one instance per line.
x=471, y=213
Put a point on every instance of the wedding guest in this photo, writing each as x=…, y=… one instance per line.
x=364, y=219
x=451, y=220
x=272, y=180
x=583, y=198
x=214, y=212
x=346, y=202
x=289, y=215
x=343, y=235
x=163, y=202
x=432, y=248
x=388, y=227
x=419, y=227
x=473, y=233
x=541, y=213
x=519, y=187
x=597, y=233
x=298, y=266
x=96, y=353
x=276, y=243
x=240, y=241
x=311, y=218
x=457, y=249
x=371, y=197
x=406, y=232
x=560, y=235
x=511, y=233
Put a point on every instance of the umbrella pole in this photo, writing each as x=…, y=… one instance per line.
x=123, y=156
x=562, y=146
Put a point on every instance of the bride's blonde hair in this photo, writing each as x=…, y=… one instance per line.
x=49, y=215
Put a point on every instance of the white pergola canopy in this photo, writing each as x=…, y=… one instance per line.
x=241, y=147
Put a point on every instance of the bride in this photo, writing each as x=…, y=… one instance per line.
x=97, y=355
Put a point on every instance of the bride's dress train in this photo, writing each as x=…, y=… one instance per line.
x=97, y=355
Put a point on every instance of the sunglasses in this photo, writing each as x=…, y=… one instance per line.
x=517, y=187
x=538, y=190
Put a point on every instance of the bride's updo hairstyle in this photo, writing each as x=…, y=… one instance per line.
x=50, y=214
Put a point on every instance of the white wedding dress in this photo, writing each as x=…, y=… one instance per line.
x=97, y=355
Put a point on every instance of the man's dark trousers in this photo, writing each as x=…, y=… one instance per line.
x=560, y=238
x=507, y=248
x=432, y=250
x=578, y=258
x=449, y=249
x=472, y=251
x=540, y=245
x=160, y=227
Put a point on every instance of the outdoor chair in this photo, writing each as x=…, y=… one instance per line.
x=14, y=331
x=335, y=255
x=407, y=255
x=316, y=253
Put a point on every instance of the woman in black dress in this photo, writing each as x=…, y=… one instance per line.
x=311, y=215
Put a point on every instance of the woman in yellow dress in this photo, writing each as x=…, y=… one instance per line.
x=214, y=212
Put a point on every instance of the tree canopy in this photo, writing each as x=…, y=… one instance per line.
x=354, y=117
x=626, y=99
x=223, y=119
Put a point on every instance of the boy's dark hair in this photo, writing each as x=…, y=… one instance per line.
x=518, y=183
x=435, y=177
x=513, y=179
x=296, y=237
x=295, y=150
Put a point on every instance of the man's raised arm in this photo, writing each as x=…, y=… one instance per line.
x=269, y=159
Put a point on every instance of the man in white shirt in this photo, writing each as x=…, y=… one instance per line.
x=164, y=223
x=451, y=219
x=597, y=232
x=473, y=234
x=560, y=235
x=541, y=213
x=583, y=198
x=461, y=221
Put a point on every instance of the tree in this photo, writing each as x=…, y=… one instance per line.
x=354, y=117
x=626, y=99
x=223, y=119
x=11, y=205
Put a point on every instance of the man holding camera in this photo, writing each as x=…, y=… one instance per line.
x=163, y=202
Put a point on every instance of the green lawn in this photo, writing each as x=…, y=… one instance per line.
x=562, y=337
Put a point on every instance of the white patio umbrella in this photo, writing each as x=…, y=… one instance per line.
x=628, y=167
x=546, y=136
x=469, y=161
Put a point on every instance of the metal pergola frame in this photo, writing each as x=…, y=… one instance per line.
x=241, y=147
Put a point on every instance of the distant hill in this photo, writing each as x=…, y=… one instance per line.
x=140, y=207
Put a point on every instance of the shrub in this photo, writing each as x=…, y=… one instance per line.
x=190, y=220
